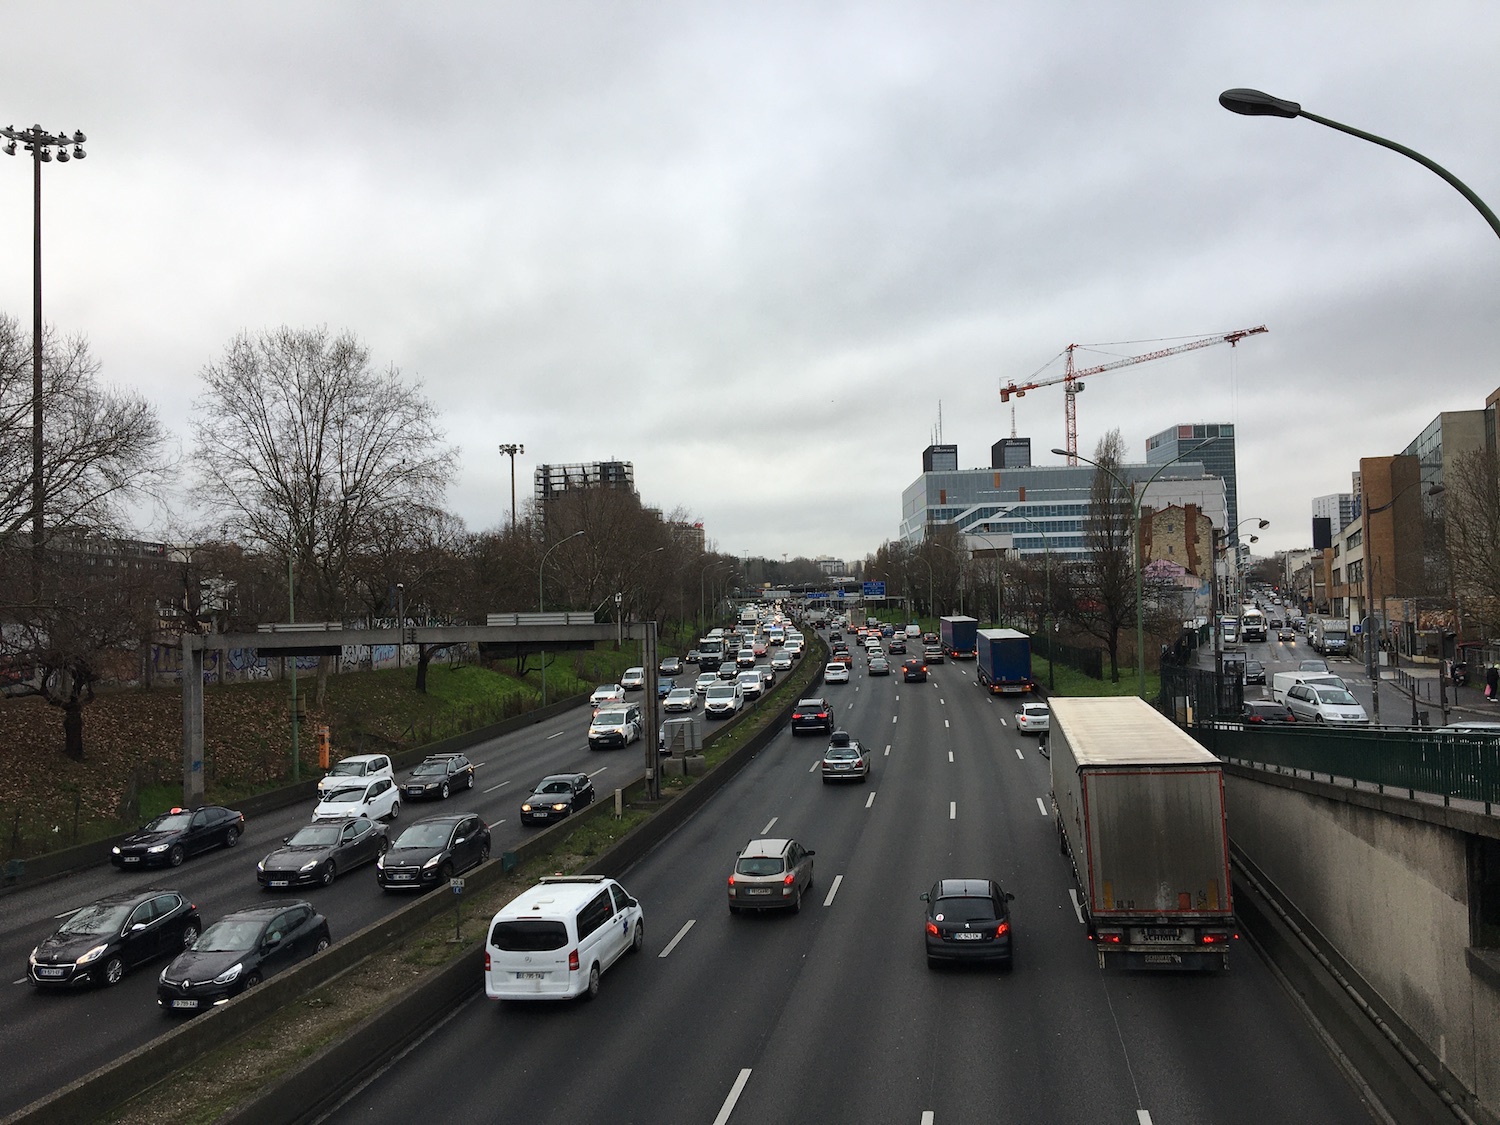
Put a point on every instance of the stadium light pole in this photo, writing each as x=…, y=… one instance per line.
x=510, y=451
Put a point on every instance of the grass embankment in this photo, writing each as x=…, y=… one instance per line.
x=133, y=738
x=1070, y=681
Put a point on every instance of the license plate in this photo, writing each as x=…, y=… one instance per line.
x=968, y=936
x=130, y=859
x=184, y=1003
x=402, y=878
x=531, y=976
x=758, y=891
x=41, y=972
x=1161, y=934
x=280, y=882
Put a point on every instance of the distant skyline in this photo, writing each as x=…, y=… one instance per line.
x=755, y=250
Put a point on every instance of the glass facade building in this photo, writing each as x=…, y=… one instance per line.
x=1217, y=458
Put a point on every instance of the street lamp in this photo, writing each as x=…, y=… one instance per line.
x=1255, y=103
x=1371, y=627
x=928, y=565
x=1135, y=515
x=702, y=602
x=541, y=567
x=511, y=451
x=39, y=143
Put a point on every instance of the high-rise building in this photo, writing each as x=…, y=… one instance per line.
x=553, y=480
x=940, y=458
x=1217, y=458
x=1339, y=508
x=1010, y=453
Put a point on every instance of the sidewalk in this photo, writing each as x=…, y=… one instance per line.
x=1465, y=703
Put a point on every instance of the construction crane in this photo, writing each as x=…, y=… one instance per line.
x=1072, y=379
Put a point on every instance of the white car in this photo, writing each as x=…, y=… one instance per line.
x=680, y=699
x=1322, y=703
x=836, y=673
x=782, y=661
x=633, y=679
x=352, y=770
x=378, y=799
x=607, y=693
x=616, y=725
x=1034, y=718
x=704, y=680
x=752, y=684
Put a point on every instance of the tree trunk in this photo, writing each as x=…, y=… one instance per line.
x=73, y=729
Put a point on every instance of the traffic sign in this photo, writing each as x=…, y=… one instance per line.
x=874, y=589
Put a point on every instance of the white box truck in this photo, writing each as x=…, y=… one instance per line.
x=1140, y=813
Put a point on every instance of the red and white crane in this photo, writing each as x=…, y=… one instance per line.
x=1071, y=377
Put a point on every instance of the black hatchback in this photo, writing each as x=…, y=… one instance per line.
x=968, y=920
x=238, y=952
x=432, y=851
x=98, y=943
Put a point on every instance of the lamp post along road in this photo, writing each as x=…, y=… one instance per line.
x=1139, y=548
x=540, y=603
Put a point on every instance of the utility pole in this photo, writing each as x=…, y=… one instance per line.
x=511, y=451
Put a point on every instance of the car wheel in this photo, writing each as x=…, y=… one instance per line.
x=189, y=935
x=796, y=906
x=114, y=969
x=593, y=988
x=384, y=846
x=395, y=809
x=253, y=979
x=445, y=873
x=175, y=856
x=445, y=790
x=469, y=784
x=330, y=873
x=1318, y=720
x=640, y=938
x=232, y=837
x=323, y=944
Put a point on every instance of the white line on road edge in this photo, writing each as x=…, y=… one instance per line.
x=952, y=810
x=887, y=754
x=598, y=771
x=774, y=819
x=1142, y=1117
x=946, y=723
x=682, y=933
x=927, y=1117
x=870, y=801
x=833, y=890
x=1019, y=754
x=492, y=788
x=1077, y=909
x=1041, y=807
x=734, y=1095
x=559, y=734
x=950, y=755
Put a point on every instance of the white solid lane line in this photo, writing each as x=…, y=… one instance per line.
x=833, y=890
x=734, y=1095
x=952, y=810
x=870, y=801
x=492, y=788
x=1077, y=907
x=1019, y=754
x=682, y=933
x=1041, y=806
x=766, y=830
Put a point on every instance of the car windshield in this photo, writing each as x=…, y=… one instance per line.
x=170, y=822
x=1335, y=695
x=760, y=865
x=344, y=796
x=610, y=719
x=315, y=836
x=228, y=935
x=842, y=753
x=348, y=769
x=721, y=691
x=555, y=787
x=430, y=769
x=681, y=693
x=424, y=836
x=100, y=918
x=964, y=909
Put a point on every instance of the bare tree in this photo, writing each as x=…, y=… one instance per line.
x=306, y=452
x=1472, y=518
x=1103, y=602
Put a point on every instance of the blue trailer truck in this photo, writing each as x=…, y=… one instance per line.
x=958, y=636
x=1004, y=661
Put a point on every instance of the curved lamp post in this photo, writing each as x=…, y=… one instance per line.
x=541, y=567
x=1135, y=519
x=1256, y=103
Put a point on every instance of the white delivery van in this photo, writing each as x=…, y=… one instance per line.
x=1281, y=681
x=556, y=940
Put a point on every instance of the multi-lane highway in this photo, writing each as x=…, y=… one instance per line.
x=832, y=1015
x=48, y=1039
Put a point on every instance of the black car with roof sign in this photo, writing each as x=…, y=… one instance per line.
x=173, y=836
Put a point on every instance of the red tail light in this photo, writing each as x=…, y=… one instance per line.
x=731, y=880
x=822, y=714
x=486, y=960
x=789, y=880
x=932, y=928
x=1002, y=929
x=573, y=961
x=1113, y=939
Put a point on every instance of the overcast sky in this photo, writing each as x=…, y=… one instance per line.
x=757, y=248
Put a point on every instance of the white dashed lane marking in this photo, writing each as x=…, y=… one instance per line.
x=952, y=810
x=766, y=830
x=1041, y=807
x=833, y=890
x=682, y=933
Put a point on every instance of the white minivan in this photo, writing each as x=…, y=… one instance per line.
x=556, y=940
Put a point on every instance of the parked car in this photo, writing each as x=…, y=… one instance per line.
x=1034, y=718
x=170, y=838
x=318, y=852
x=1324, y=704
x=633, y=679
x=770, y=874
x=438, y=775
x=681, y=699
x=555, y=941
x=432, y=851
x=845, y=760
x=1258, y=711
x=557, y=796
x=378, y=800
x=671, y=666
x=238, y=952
x=914, y=672
x=100, y=942
x=356, y=767
x=812, y=714
x=616, y=726
x=968, y=920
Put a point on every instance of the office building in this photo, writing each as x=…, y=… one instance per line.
x=1217, y=458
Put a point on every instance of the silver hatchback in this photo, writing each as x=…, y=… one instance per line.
x=845, y=760
x=770, y=874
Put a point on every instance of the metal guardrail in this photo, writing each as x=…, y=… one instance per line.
x=1451, y=765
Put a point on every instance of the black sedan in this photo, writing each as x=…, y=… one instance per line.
x=437, y=776
x=175, y=835
x=432, y=851
x=238, y=952
x=317, y=852
x=812, y=714
x=560, y=795
x=1255, y=672
x=99, y=942
x=968, y=920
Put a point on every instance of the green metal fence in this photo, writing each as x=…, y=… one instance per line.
x=1449, y=765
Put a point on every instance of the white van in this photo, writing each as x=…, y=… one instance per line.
x=1281, y=681
x=913, y=631
x=555, y=941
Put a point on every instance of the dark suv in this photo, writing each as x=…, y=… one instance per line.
x=968, y=920
x=437, y=776
x=812, y=714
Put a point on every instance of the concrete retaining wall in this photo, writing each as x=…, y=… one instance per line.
x=1383, y=882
